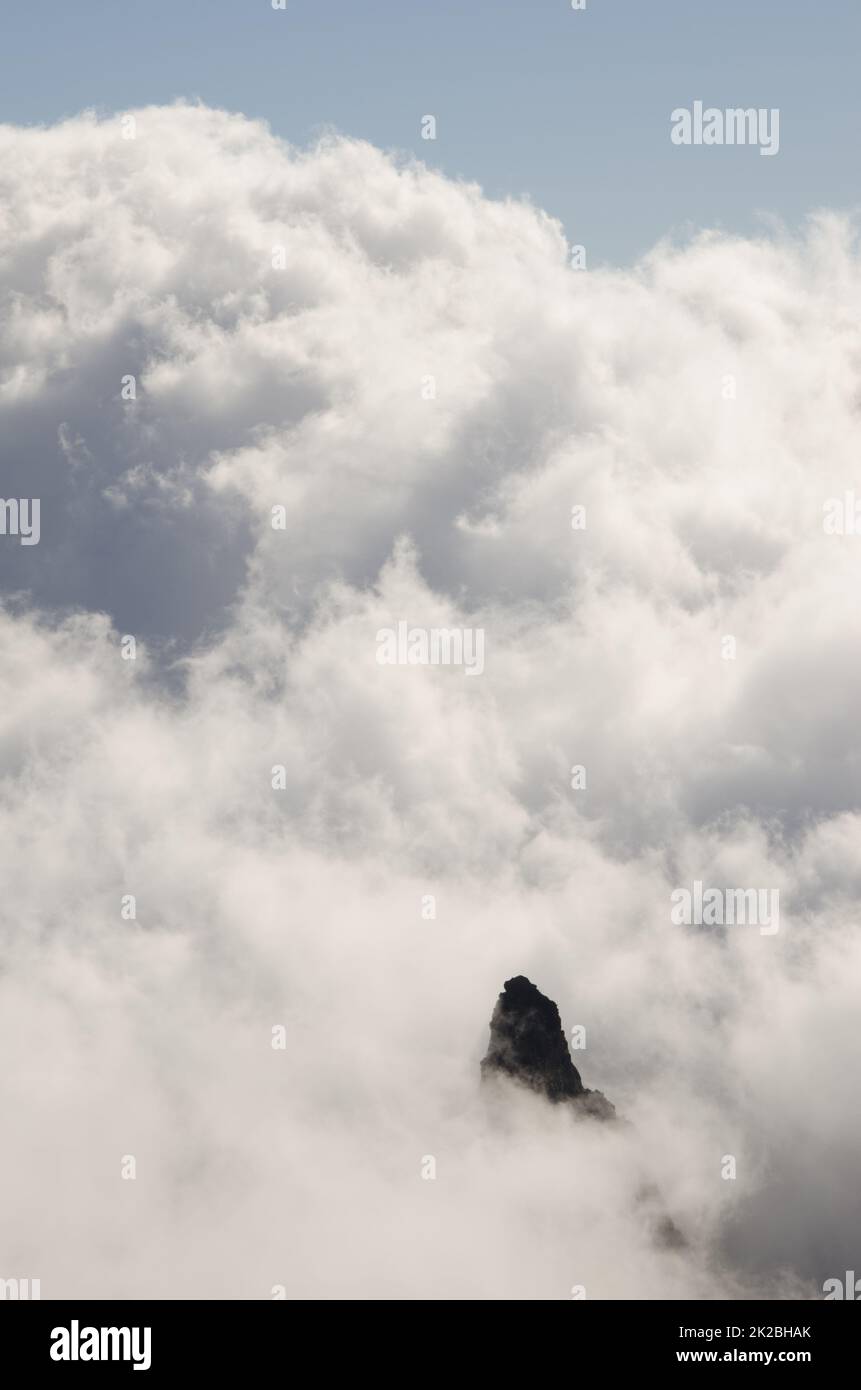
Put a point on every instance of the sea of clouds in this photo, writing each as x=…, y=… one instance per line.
x=702, y=407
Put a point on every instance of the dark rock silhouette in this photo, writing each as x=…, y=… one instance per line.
x=527, y=1044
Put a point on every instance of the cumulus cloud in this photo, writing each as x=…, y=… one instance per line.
x=425, y=389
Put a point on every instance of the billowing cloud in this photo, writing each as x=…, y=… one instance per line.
x=412, y=383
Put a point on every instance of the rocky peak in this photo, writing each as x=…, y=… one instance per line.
x=527, y=1044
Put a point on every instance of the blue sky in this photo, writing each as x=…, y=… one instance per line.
x=569, y=107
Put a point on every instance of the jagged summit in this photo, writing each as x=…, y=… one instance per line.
x=528, y=1045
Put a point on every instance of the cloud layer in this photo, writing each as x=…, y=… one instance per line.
x=426, y=388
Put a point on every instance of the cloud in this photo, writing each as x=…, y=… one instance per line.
x=426, y=388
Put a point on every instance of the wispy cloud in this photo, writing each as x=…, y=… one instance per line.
x=422, y=416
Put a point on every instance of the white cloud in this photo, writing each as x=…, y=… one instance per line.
x=302, y=387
